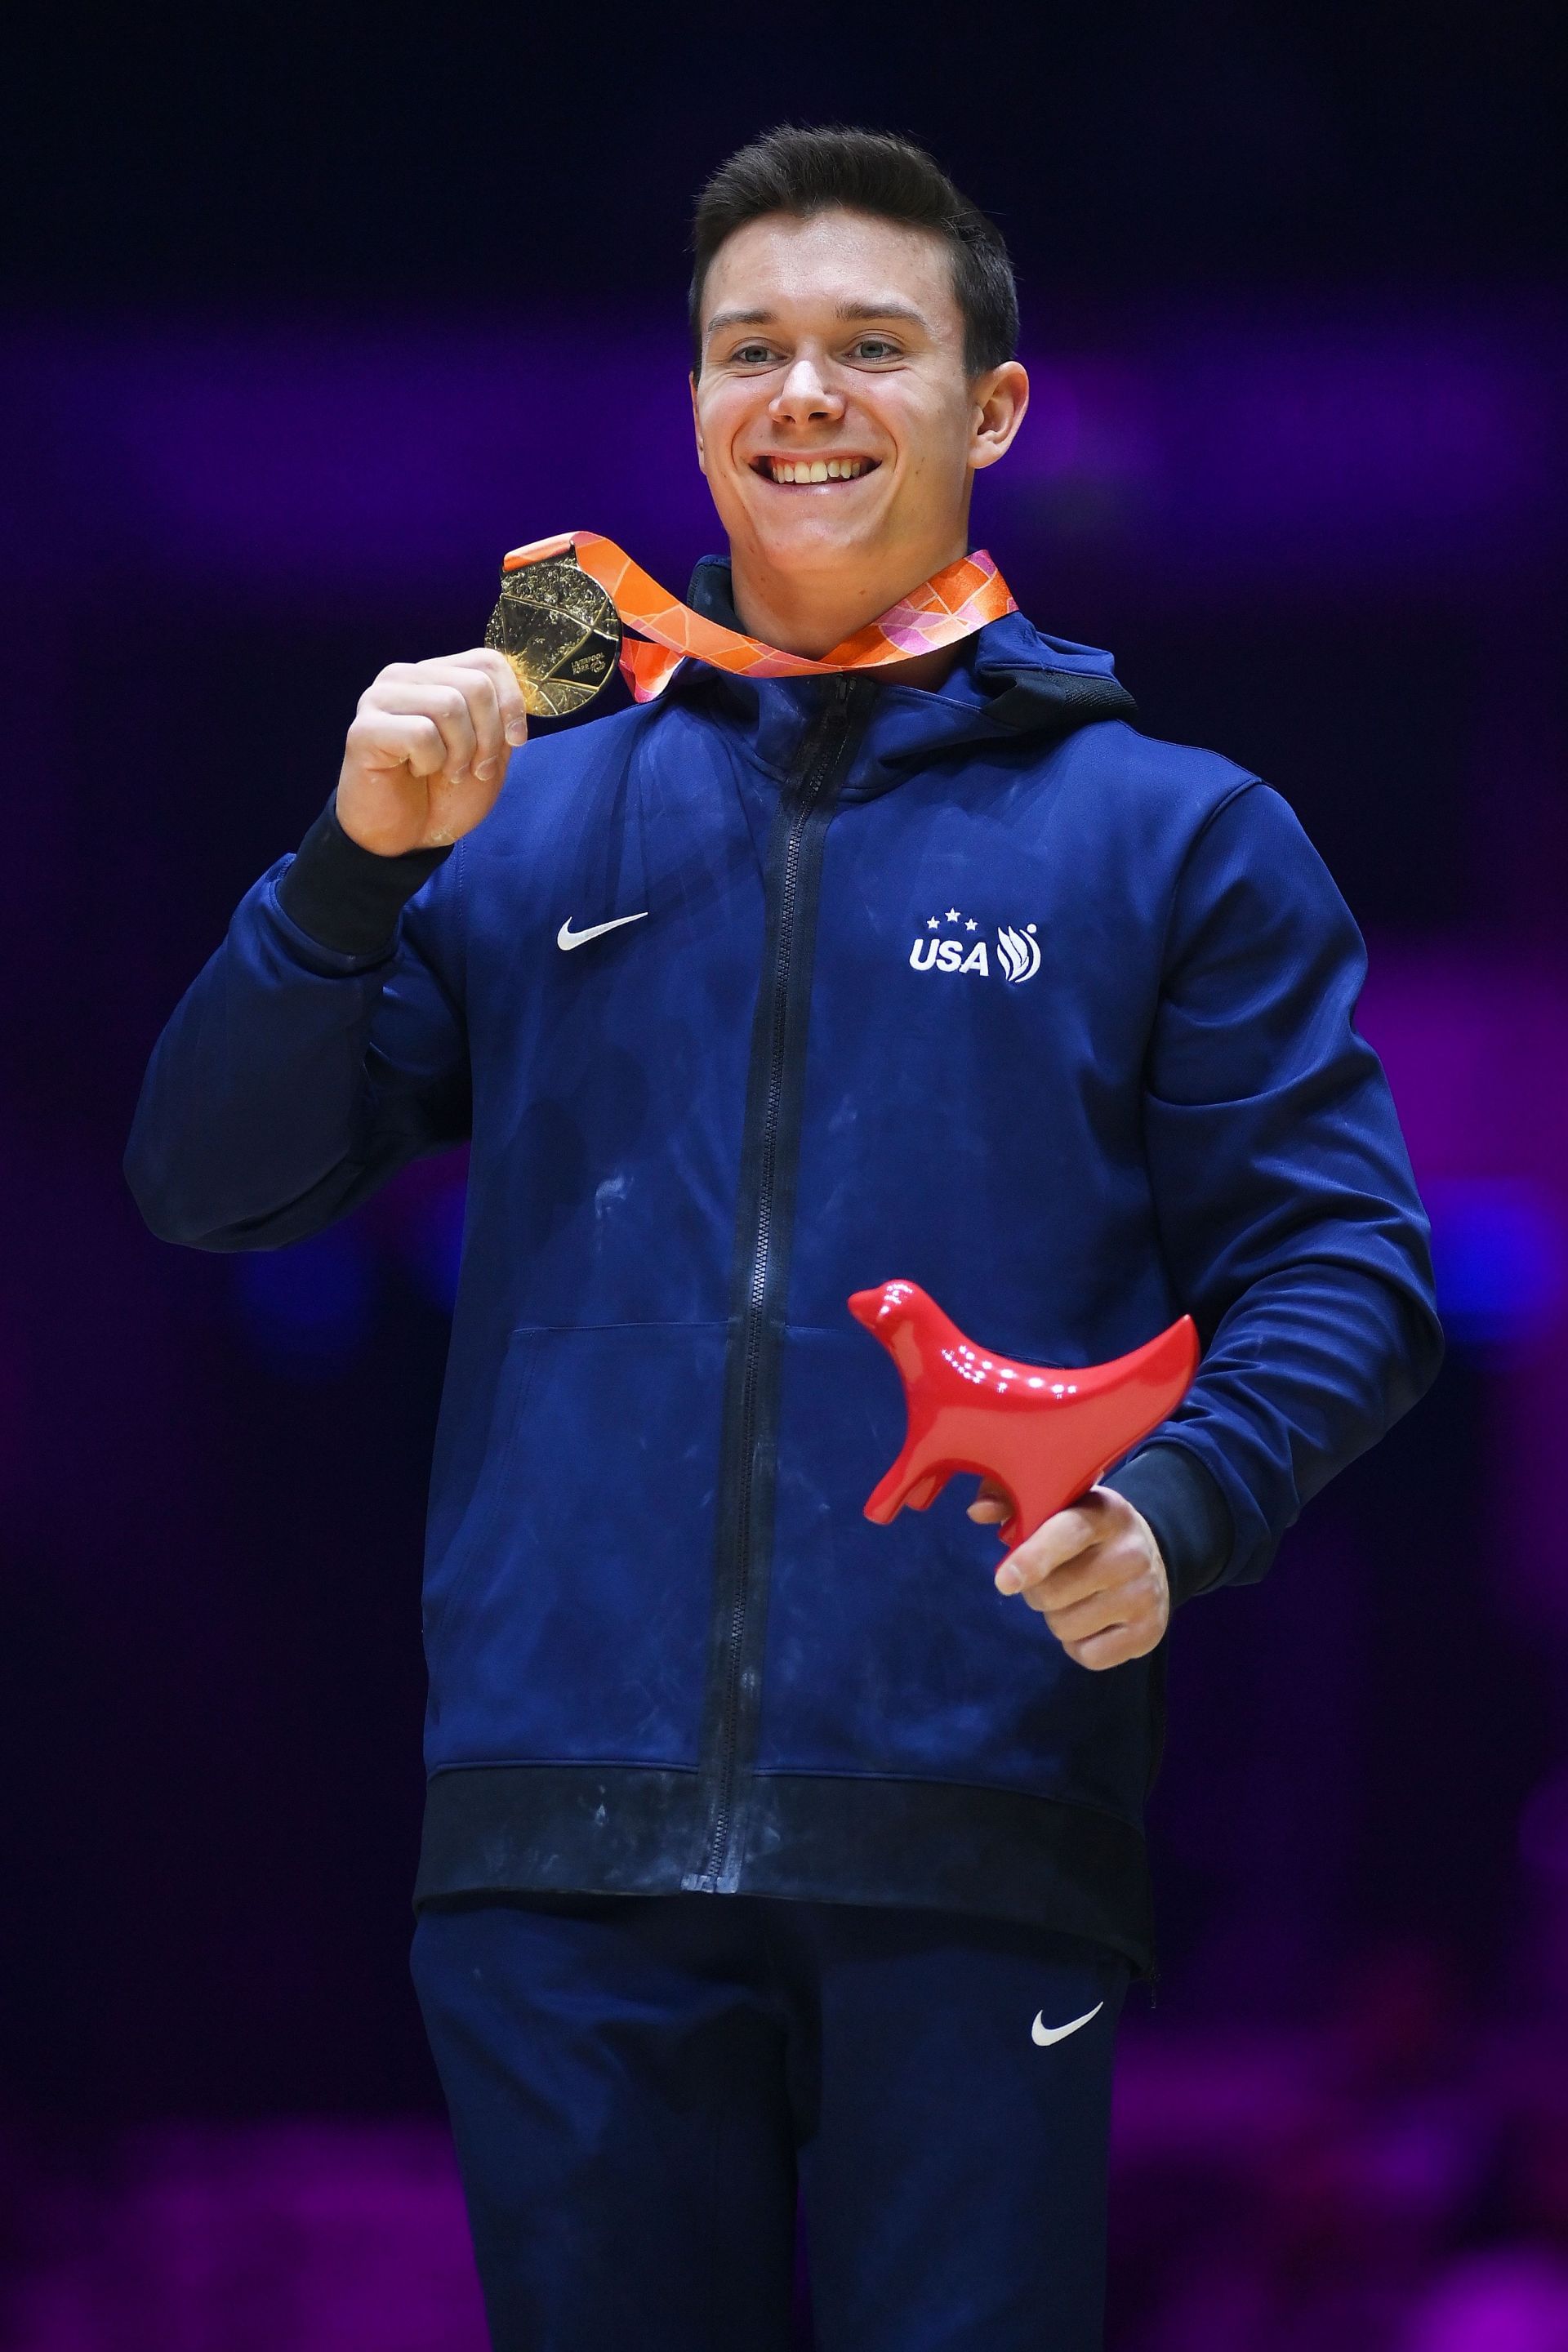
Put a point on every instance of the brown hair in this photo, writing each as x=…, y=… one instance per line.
x=803, y=171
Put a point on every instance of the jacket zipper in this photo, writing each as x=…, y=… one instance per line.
x=759, y=1279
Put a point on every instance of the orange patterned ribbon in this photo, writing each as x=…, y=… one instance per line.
x=952, y=604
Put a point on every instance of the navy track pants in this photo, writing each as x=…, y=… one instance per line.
x=639, y=2083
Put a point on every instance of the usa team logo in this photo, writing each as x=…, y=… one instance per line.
x=1017, y=952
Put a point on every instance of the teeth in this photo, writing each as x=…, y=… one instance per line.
x=817, y=470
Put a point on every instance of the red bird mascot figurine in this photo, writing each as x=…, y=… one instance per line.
x=1043, y=1434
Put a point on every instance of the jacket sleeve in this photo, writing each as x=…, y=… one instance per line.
x=320, y=1049
x=1284, y=1195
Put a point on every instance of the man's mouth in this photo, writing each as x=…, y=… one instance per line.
x=795, y=470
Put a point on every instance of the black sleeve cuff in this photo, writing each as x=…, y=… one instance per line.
x=1184, y=1505
x=348, y=898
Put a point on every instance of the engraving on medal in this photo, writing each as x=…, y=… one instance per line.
x=560, y=632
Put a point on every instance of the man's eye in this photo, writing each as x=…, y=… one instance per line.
x=750, y=354
x=875, y=347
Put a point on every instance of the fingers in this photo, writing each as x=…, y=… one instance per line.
x=500, y=693
x=387, y=738
x=508, y=693
x=1095, y=1574
x=991, y=1503
x=1113, y=1647
x=472, y=700
x=440, y=703
x=1059, y=1540
x=1119, y=1601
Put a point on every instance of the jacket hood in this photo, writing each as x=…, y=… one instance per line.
x=1024, y=682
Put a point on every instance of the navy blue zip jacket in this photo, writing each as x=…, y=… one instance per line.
x=981, y=988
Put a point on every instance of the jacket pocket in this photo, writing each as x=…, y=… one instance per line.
x=889, y=1650
x=569, y=1621
x=443, y=1574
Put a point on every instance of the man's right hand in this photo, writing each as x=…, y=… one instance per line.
x=427, y=751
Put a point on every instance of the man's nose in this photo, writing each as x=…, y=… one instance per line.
x=805, y=397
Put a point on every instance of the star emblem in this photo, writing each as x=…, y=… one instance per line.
x=970, y=924
x=930, y=923
x=953, y=914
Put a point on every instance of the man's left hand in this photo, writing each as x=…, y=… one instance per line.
x=1093, y=1571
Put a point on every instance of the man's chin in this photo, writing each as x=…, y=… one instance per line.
x=815, y=546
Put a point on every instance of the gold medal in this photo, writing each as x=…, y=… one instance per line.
x=564, y=602
x=560, y=632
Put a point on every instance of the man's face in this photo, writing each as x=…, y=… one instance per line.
x=836, y=422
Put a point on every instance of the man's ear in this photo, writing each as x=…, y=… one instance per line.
x=697, y=424
x=1001, y=397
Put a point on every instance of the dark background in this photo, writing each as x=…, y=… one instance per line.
x=308, y=317
x=504, y=155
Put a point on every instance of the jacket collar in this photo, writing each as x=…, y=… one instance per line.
x=1010, y=680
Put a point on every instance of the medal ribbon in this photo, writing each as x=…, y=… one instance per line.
x=952, y=604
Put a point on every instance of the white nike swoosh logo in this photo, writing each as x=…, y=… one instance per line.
x=567, y=938
x=1045, y=2035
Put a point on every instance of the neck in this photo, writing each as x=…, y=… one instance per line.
x=810, y=612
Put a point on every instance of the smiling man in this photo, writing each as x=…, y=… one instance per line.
x=766, y=1847
x=843, y=403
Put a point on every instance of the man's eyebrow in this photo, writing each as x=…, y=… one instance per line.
x=904, y=310
x=738, y=319
x=846, y=311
